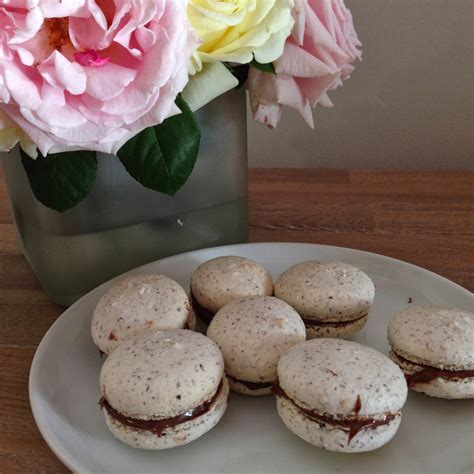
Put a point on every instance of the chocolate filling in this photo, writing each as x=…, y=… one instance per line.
x=427, y=373
x=202, y=312
x=353, y=425
x=159, y=426
x=336, y=324
x=251, y=385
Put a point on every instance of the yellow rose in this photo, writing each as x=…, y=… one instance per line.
x=239, y=30
x=11, y=134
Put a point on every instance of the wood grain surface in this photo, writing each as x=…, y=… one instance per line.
x=425, y=218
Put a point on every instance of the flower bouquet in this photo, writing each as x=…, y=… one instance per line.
x=124, y=77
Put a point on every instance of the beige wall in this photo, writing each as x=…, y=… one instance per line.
x=409, y=104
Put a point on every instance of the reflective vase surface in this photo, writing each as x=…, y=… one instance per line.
x=122, y=225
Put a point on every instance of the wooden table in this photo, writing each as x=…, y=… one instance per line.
x=426, y=218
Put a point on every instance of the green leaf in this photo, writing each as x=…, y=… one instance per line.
x=163, y=157
x=61, y=180
x=269, y=67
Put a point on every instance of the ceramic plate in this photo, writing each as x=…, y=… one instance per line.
x=435, y=435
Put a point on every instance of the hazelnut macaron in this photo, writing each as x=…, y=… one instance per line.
x=252, y=334
x=163, y=389
x=434, y=347
x=137, y=304
x=340, y=395
x=224, y=279
x=332, y=298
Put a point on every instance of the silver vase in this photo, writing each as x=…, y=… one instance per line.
x=122, y=225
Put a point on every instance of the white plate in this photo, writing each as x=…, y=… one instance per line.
x=435, y=435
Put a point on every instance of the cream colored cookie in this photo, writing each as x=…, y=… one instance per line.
x=434, y=346
x=224, y=279
x=326, y=291
x=333, y=298
x=138, y=304
x=159, y=379
x=340, y=395
x=438, y=336
x=252, y=334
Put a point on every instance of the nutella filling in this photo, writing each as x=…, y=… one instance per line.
x=427, y=373
x=251, y=385
x=159, y=426
x=353, y=425
x=336, y=324
x=202, y=312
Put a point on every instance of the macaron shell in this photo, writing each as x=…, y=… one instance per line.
x=330, y=375
x=179, y=435
x=334, y=438
x=138, y=304
x=448, y=389
x=326, y=291
x=253, y=333
x=440, y=387
x=340, y=332
x=224, y=279
x=435, y=336
x=161, y=374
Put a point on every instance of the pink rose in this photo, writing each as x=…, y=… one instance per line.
x=317, y=57
x=90, y=74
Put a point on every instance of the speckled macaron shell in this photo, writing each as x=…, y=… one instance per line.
x=341, y=332
x=332, y=437
x=179, y=435
x=434, y=336
x=329, y=375
x=326, y=291
x=252, y=334
x=224, y=279
x=162, y=374
x=138, y=304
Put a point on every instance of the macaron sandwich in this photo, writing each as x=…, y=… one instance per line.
x=340, y=395
x=163, y=389
x=332, y=298
x=252, y=334
x=137, y=304
x=224, y=279
x=434, y=347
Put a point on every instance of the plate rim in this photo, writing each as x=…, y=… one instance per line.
x=53, y=443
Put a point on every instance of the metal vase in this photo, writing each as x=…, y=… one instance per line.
x=122, y=225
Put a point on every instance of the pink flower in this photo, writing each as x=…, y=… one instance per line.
x=90, y=74
x=317, y=57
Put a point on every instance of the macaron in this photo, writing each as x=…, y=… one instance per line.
x=137, y=304
x=434, y=347
x=252, y=334
x=340, y=395
x=332, y=298
x=224, y=279
x=163, y=389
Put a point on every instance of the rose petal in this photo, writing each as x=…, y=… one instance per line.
x=109, y=81
x=60, y=72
